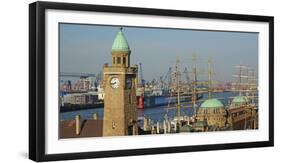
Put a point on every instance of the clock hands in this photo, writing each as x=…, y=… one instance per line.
x=114, y=83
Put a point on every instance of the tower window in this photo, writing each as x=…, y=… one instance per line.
x=113, y=60
x=130, y=99
x=124, y=60
x=118, y=60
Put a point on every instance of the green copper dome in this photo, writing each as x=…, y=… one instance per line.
x=212, y=103
x=240, y=99
x=120, y=43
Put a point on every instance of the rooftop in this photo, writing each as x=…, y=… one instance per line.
x=120, y=42
x=212, y=103
x=89, y=128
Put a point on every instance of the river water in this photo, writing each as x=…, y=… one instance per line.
x=154, y=113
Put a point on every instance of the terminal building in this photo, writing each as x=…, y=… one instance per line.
x=242, y=114
x=213, y=115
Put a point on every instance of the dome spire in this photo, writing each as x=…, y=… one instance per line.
x=120, y=42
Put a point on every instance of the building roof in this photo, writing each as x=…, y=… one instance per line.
x=212, y=103
x=240, y=99
x=89, y=128
x=120, y=43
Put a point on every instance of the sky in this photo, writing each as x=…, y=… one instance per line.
x=85, y=48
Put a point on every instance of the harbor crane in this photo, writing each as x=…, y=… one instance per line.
x=141, y=80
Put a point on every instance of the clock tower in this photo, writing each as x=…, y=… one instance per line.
x=119, y=83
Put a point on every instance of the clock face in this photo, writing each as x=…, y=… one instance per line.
x=128, y=83
x=114, y=82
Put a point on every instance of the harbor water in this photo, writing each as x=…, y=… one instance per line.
x=154, y=113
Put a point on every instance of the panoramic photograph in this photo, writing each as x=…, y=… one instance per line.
x=122, y=81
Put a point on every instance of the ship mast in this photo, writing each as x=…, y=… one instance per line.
x=194, y=89
x=246, y=83
x=177, y=77
x=242, y=73
x=209, y=78
x=240, y=80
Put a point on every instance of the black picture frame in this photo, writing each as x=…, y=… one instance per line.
x=37, y=79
